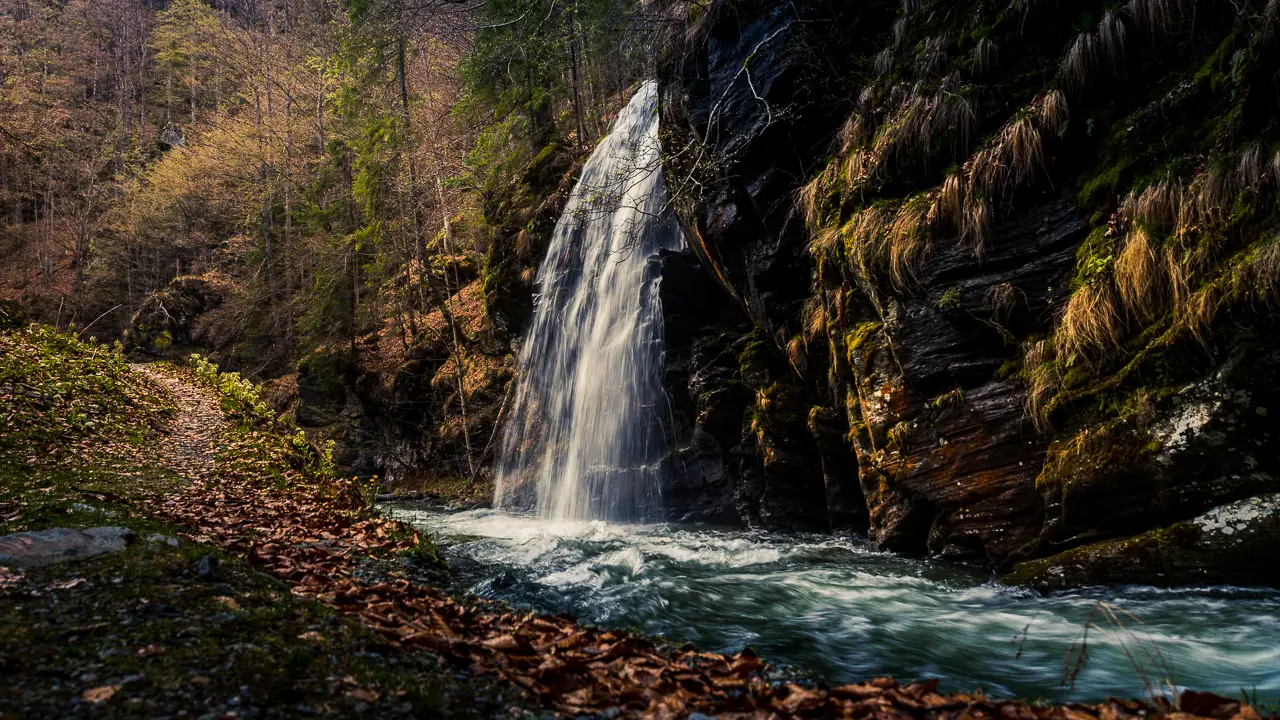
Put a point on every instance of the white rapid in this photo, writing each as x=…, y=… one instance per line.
x=584, y=437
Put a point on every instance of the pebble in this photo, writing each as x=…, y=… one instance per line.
x=207, y=568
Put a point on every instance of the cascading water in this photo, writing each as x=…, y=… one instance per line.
x=584, y=438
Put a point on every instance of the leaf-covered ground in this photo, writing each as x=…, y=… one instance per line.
x=318, y=606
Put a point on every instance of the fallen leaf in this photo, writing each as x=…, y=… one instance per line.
x=369, y=696
x=99, y=695
x=227, y=602
x=150, y=651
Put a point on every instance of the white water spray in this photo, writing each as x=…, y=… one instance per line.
x=585, y=438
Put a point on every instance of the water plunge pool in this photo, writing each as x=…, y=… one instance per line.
x=848, y=613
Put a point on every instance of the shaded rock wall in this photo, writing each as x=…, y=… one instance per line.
x=939, y=222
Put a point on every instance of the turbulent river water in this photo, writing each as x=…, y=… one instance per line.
x=837, y=608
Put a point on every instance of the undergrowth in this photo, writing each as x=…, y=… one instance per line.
x=59, y=392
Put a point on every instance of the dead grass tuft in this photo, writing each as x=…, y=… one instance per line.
x=1089, y=324
x=954, y=117
x=1159, y=15
x=979, y=223
x=933, y=56
x=1158, y=206
x=986, y=55
x=855, y=133
x=948, y=204
x=1214, y=190
x=909, y=240
x=797, y=357
x=1023, y=149
x=884, y=63
x=1252, y=169
x=1079, y=62
x=1140, y=275
x=899, y=31
x=1052, y=111
x=814, y=317
x=999, y=301
x=866, y=239
x=1111, y=39
x=1042, y=382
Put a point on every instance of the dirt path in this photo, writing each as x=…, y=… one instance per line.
x=191, y=443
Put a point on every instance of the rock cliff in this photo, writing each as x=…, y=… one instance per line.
x=996, y=278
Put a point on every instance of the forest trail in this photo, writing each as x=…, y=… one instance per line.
x=190, y=444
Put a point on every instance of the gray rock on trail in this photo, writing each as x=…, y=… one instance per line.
x=47, y=547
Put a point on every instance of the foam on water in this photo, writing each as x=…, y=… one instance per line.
x=837, y=607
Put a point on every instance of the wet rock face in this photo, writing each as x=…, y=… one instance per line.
x=1208, y=443
x=753, y=87
x=948, y=458
x=1234, y=543
x=742, y=451
x=904, y=412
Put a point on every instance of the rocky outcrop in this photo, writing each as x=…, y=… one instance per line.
x=1234, y=543
x=172, y=317
x=945, y=289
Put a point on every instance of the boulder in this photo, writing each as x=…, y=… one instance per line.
x=57, y=545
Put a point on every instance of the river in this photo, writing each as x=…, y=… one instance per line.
x=846, y=612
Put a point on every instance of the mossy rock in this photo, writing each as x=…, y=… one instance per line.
x=1234, y=544
x=12, y=315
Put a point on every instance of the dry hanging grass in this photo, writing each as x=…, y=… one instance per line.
x=954, y=116
x=797, y=357
x=884, y=62
x=1214, y=190
x=1111, y=39
x=825, y=244
x=986, y=55
x=1140, y=275
x=1159, y=205
x=1199, y=310
x=865, y=239
x=1052, y=111
x=814, y=317
x=1252, y=169
x=999, y=300
x=1023, y=149
x=1159, y=15
x=1077, y=66
x=854, y=133
x=933, y=57
x=899, y=31
x=979, y=223
x=1090, y=322
x=948, y=204
x=1264, y=270
x=909, y=239
x=1042, y=381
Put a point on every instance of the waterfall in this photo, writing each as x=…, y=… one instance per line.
x=584, y=439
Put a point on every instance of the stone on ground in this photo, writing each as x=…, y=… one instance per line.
x=56, y=545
